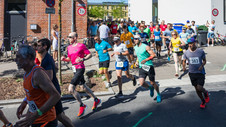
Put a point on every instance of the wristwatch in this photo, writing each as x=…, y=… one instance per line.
x=39, y=112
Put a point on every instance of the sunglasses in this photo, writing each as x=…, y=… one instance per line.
x=39, y=45
x=69, y=37
x=173, y=34
x=136, y=39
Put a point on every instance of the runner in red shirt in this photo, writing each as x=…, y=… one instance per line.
x=163, y=27
x=152, y=27
x=113, y=28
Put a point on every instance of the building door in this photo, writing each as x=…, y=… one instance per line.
x=15, y=20
x=155, y=11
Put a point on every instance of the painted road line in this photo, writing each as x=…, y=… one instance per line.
x=149, y=114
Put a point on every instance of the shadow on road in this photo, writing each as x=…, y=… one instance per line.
x=7, y=72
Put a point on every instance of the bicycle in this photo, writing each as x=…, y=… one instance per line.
x=220, y=39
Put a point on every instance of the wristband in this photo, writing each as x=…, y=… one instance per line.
x=150, y=58
x=25, y=99
x=39, y=112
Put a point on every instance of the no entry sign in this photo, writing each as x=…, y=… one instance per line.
x=215, y=12
x=50, y=3
x=81, y=11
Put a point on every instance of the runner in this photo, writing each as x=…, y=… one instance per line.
x=126, y=38
x=77, y=54
x=113, y=28
x=120, y=28
x=167, y=36
x=102, y=48
x=152, y=38
x=176, y=43
x=146, y=68
x=184, y=36
x=197, y=59
x=190, y=31
x=163, y=27
x=4, y=120
x=41, y=95
x=132, y=28
x=121, y=64
x=144, y=36
x=210, y=35
x=158, y=40
x=48, y=64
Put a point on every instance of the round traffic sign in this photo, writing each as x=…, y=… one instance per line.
x=215, y=12
x=50, y=3
x=81, y=11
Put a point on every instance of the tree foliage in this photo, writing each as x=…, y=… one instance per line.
x=117, y=11
x=97, y=12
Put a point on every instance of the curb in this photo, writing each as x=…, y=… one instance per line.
x=64, y=97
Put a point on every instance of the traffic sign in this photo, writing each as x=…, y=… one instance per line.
x=81, y=11
x=215, y=12
x=50, y=3
x=50, y=10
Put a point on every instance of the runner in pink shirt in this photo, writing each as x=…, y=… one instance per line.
x=77, y=54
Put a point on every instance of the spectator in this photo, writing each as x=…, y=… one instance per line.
x=211, y=35
x=93, y=32
x=104, y=32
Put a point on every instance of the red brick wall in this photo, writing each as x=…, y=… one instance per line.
x=2, y=18
x=36, y=15
x=81, y=21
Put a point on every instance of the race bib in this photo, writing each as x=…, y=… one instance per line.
x=119, y=64
x=73, y=68
x=194, y=60
x=114, y=27
x=157, y=37
x=127, y=42
x=32, y=106
x=145, y=67
x=176, y=49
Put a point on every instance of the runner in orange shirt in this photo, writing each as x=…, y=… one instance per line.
x=41, y=95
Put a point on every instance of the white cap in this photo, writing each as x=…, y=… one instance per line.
x=189, y=24
x=137, y=36
x=116, y=38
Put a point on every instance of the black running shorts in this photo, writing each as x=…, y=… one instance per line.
x=197, y=79
x=150, y=73
x=78, y=77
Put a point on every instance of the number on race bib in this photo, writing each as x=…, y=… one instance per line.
x=119, y=64
x=157, y=37
x=145, y=67
x=73, y=68
x=194, y=60
x=176, y=49
x=127, y=42
x=32, y=106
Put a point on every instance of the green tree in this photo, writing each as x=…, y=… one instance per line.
x=97, y=12
x=117, y=11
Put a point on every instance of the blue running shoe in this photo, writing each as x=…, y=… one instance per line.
x=168, y=58
x=151, y=91
x=159, y=99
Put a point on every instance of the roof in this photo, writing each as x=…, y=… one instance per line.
x=107, y=2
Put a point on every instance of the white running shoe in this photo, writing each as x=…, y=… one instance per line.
x=108, y=85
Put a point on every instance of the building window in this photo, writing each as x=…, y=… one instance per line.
x=107, y=7
x=16, y=5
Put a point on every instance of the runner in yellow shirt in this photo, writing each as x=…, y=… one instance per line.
x=126, y=38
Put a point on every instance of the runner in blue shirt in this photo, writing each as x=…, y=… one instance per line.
x=158, y=39
x=102, y=48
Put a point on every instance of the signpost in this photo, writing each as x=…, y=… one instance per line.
x=81, y=11
x=215, y=12
x=49, y=11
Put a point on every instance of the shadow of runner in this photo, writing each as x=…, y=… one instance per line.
x=7, y=72
x=183, y=74
x=171, y=92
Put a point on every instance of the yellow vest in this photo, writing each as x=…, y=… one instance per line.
x=175, y=44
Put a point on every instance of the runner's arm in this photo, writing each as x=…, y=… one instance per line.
x=50, y=74
x=183, y=44
x=152, y=54
x=41, y=80
x=87, y=57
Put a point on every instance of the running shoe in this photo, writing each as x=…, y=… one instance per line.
x=134, y=81
x=151, y=91
x=203, y=105
x=119, y=95
x=168, y=58
x=108, y=85
x=207, y=45
x=159, y=98
x=207, y=99
x=95, y=104
x=82, y=110
x=8, y=125
x=212, y=45
x=131, y=66
x=176, y=75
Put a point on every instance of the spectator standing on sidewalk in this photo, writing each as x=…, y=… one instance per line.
x=211, y=28
x=54, y=33
x=104, y=32
x=93, y=32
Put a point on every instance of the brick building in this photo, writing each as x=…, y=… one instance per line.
x=17, y=16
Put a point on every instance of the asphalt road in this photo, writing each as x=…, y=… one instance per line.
x=179, y=108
